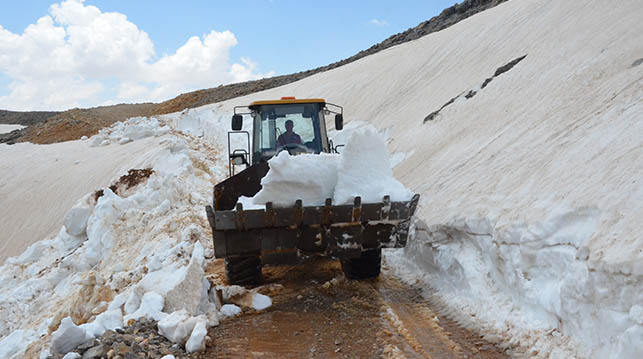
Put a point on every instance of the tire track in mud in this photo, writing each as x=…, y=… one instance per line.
x=317, y=313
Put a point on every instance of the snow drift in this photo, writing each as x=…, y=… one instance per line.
x=123, y=253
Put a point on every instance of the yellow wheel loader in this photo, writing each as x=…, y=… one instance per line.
x=247, y=239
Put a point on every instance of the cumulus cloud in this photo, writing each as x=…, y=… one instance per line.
x=378, y=22
x=79, y=56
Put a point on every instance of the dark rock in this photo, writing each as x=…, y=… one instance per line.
x=95, y=352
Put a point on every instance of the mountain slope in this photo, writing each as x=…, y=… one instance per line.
x=75, y=123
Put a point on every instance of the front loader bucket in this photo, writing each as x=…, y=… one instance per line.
x=341, y=231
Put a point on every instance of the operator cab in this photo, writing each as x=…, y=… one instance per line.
x=289, y=124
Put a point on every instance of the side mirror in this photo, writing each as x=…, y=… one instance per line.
x=237, y=122
x=339, y=122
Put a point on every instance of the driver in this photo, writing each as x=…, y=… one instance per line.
x=289, y=137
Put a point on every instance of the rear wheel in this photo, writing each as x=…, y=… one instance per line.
x=243, y=270
x=367, y=266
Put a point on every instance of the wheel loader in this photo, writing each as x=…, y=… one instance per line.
x=248, y=238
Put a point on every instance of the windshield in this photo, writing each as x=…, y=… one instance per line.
x=291, y=127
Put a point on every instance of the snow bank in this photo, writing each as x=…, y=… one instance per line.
x=538, y=275
x=121, y=256
x=73, y=168
x=363, y=169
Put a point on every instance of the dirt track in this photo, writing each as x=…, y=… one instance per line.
x=316, y=313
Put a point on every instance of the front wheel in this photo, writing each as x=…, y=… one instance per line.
x=367, y=266
x=243, y=270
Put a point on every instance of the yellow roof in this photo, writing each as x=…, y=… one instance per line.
x=287, y=100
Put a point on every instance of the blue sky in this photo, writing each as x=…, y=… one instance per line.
x=277, y=36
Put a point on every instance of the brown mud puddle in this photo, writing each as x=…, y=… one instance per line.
x=316, y=313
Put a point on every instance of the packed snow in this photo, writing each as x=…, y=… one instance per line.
x=363, y=169
x=9, y=128
x=528, y=226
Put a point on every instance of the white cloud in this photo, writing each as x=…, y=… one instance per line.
x=378, y=22
x=68, y=57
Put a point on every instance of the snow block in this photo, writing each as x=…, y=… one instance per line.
x=67, y=337
x=230, y=310
x=187, y=293
x=196, y=342
x=76, y=220
x=151, y=307
x=260, y=301
x=133, y=301
x=108, y=320
x=177, y=326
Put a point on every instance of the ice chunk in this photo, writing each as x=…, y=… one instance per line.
x=196, y=342
x=76, y=220
x=108, y=320
x=230, y=310
x=151, y=307
x=118, y=302
x=260, y=301
x=67, y=337
x=188, y=291
x=177, y=326
x=133, y=301
x=365, y=171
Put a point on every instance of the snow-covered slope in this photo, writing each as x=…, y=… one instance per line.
x=529, y=224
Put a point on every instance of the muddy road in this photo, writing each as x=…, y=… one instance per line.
x=317, y=313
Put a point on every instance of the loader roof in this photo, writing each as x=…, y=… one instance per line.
x=287, y=100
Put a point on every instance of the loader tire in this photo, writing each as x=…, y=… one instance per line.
x=243, y=270
x=367, y=266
